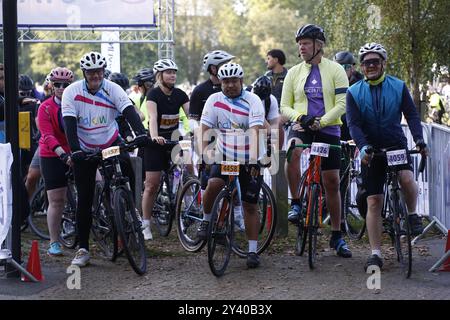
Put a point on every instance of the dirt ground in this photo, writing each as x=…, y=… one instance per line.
x=174, y=274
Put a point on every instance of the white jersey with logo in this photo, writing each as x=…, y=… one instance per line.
x=233, y=117
x=95, y=113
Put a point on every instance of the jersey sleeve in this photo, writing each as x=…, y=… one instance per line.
x=208, y=117
x=256, y=116
x=67, y=105
x=196, y=104
x=121, y=100
x=340, y=90
x=273, y=111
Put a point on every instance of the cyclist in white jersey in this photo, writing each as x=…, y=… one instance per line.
x=89, y=108
x=233, y=111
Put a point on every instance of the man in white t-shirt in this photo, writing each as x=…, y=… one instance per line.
x=89, y=109
x=237, y=115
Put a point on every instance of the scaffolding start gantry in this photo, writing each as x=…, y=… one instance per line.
x=161, y=33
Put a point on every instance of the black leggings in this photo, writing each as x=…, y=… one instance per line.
x=84, y=173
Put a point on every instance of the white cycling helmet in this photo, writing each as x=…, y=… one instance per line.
x=92, y=60
x=372, y=47
x=215, y=58
x=230, y=70
x=164, y=64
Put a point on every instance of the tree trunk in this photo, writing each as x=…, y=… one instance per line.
x=415, y=68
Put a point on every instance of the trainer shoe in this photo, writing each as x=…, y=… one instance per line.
x=373, y=260
x=341, y=248
x=81, y=258
x=252, y=260
x=146, y=230
x=55, y=249
x=294, y=213
x=202, y=231
x=415, y=222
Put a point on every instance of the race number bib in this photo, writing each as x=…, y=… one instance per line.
x=110, y=152
x=396, y=157
x=320, y=149
x=169, y=121
x=229, y=168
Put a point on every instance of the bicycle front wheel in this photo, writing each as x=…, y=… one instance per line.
x=189, y=213
x=103, y=227
x=313, y=224
x=130, y=230
x=220, y=235
x=355, y=224
x=163, y=210
x=68, y=236
x=37, y=220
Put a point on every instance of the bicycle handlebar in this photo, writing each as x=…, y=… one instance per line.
x=382, y=153
x=303, y=145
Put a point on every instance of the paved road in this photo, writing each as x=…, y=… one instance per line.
x=174, y=274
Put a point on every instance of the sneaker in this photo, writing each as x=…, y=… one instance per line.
x=373, y=260
x=341, y=248
x=55, y=249
x=239, y=220
x=415, y=223
x=252, y=260
x=202, y=231
x=294, y=213
x=81, y=258
x=146, y=231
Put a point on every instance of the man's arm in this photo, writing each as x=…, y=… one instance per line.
x=409, y=110
x=287, y=99
x=134, y=120
x=354, y=122
x=341, y=86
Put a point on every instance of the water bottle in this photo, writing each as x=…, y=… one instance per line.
x=176, y=180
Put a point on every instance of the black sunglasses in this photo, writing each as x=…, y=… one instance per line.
x=61, y=85
x=369, y=62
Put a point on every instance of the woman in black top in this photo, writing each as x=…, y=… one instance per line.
x=163, y=106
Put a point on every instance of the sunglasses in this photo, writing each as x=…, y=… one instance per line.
x=25, y=93
x=61, y=85
x=371, y=62
x=347, y=67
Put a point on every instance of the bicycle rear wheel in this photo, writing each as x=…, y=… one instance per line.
x=220, y=235
x=103, y=227
x=130, y=230
x=355, y=224
x=313, y=224
x=189, y=213
x=267, y=213
x=37, y=220
x=163, y=210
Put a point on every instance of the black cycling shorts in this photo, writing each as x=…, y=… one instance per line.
x=157, y=157
x=54, y=173
x=374, y=177
x=250, y=187
x=334, y=157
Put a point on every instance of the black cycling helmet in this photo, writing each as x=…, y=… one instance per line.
x=262, y=87
x=144, y=75
x=310, y=31
x=120, y=79
x=344, y=57
x=106, y=73
x=25, y=83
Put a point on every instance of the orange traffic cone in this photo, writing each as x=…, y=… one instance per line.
x=34, y=263
x=446, y=265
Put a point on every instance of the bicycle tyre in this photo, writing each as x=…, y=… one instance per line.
x=129, y=229
x=302, y=229
x=103, y=226
x=268, y=215
x=355, y=224
x=68, y=235
x=188, y=222
x=37, y=220
x=220, y=234
x=313, y=225
x=163, y=210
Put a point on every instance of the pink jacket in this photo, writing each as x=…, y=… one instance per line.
x=52, y=131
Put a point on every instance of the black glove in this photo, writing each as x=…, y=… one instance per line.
x=421, y=144
x=306, y=121
x=141, y=140
x=64, y=157
x=78, y=156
